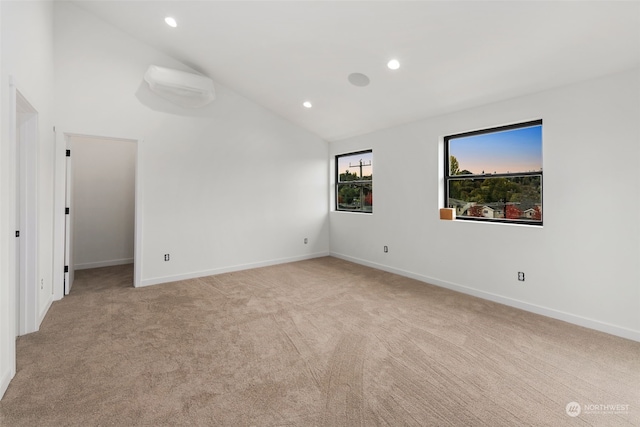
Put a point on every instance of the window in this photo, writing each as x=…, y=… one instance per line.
x=354, y=182
x=496, y=174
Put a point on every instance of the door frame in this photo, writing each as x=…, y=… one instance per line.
x=68, y=222
x=62, y=144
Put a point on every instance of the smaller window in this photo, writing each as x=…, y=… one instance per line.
x=354, y=182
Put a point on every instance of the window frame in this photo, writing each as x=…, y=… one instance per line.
x=359, y=182
x=448, y=177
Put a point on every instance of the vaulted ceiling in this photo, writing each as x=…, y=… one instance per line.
x=453, y=54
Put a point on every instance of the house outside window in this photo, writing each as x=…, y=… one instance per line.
x=354, y=182
x=496, y=174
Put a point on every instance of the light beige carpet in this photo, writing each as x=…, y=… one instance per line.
x=312, y=343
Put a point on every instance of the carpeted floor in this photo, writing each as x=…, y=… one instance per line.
x=311, y=343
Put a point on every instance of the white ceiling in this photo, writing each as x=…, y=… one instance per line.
x=454, y=54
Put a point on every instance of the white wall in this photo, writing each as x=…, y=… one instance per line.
x=7, y=299
x=581, y=266
x=224, y=187
x=27, y=56
x=103, y=201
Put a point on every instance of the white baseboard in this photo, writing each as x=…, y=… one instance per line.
x=5, y=379
x=99, y=264
x=213, y=272
x=533, y=308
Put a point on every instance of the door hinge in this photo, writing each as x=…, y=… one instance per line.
x=17, y=233
x=66, y=268
x=66, y=211
x=68, y=153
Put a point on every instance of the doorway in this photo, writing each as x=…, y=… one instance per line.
x=25, y=137
x=101, y=201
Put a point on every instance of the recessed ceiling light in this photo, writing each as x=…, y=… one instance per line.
x=394, y=64
x=171, y=22
x=307, y=104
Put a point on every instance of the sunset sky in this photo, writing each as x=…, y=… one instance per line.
x=367, y=159
x=517, y=150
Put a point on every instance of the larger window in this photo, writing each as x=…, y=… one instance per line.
x=354, y=182
x=496, y=174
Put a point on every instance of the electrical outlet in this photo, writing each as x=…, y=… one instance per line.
x=521, y=276
x=167, y=257
x=386, y=249
x=306, y=240
x=41, y=283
